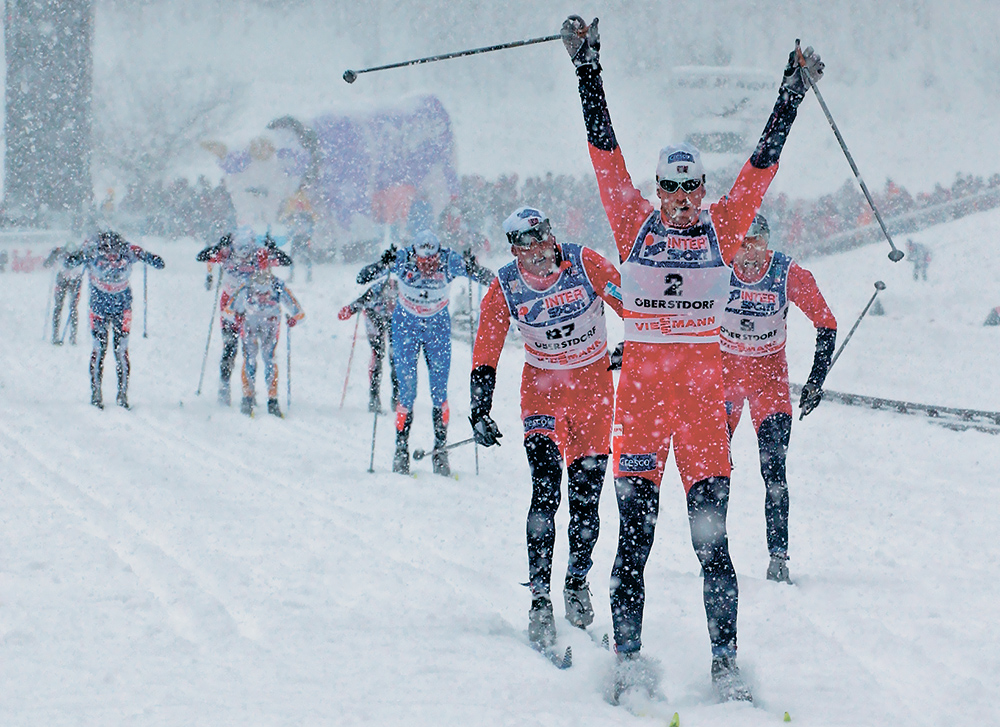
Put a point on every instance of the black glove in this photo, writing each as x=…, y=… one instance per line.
x=616, y=357
x=156, y=261
x=812, y=395
x=470, y=260
x=793, y=79
x=582, y=42
x=485, y=431
x=388, y=257
x=208, y=281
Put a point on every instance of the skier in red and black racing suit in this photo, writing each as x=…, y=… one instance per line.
x=674, y=279
x=754, y=367
x=555, y=293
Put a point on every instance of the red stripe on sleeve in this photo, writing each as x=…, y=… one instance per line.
x=803, y=292
x=732, y=215
x=494, y=321
x=601, y=271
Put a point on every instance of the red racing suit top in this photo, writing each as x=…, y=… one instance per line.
x=754, y=321
x=560, y=317
x=674, y=279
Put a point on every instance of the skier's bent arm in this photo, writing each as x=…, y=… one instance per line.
x=605, y=278
x=494, y=321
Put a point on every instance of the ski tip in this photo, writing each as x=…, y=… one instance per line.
x=676, y=720
x=606, y=642
x=788, y=717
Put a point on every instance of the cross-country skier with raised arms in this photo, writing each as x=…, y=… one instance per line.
x=108, y=259
x=424, y=271
x=555, y=292
x=754, y=367
x=674, y=278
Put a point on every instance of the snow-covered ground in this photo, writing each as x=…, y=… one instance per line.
x=182, y=564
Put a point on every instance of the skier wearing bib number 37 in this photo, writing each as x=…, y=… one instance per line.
x=674, y=283
x=555, y=293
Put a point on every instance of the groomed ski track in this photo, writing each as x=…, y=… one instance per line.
x=182, y=564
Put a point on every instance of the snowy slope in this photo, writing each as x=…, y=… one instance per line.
x=182, y=564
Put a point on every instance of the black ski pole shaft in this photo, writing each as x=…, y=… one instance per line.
x=351, y=76
x=472, y=346
x=420, y=454
x=895, y=254
x=49, y=310
x=371, y=459
x=211, y=324
x=144, y=299
x=879, y=286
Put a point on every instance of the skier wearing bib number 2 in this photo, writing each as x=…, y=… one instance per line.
x=555, y=293
x=420, y=319
x=754, y=367
x=674, y=282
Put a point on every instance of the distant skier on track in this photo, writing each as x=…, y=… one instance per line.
x=108, y=259
x=377, y=303
x=237, y=253
x=258, y=303
x=674, y=278
x=69, y=280
x=555, y=292
x=754, y=367
x=424, y=271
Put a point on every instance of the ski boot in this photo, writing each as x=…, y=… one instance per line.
x=246, y=406
x=225, y=396
x=122, y=400
x=374, y=403
x=95, y=398
x=273, y=409
x=576, y=595
x=401, y=460
x=726, y=679
x=634, y=675
x=541, y=623
x=439, y=458
x=777, y=570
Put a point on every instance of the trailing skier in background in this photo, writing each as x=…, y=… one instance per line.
x=108, y=259
x=258, y=302
x=237, y=254
x=68, y=282
x=674, y=278
x=754, y=368
x=377, y=303
x=920, y=256
x=555, y=292
x=420, y=319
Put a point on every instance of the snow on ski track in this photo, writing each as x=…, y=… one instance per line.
x=320, y=594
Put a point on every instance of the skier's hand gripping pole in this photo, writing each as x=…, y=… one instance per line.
x=812, y=393
x=895, y=254
x=352, y=75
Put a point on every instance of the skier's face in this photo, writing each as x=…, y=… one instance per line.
x=427, y=265
x=752, y=254
x=539, y=258
x=680, y=208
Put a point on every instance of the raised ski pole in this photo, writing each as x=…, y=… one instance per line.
x=879, y=286
x=895, y=254
x=144, y=299
x=419, y=454
x=472, y=345
x=350, y=358
x=211, y=324
x=351, y=76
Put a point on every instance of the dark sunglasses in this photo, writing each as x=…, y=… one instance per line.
x=688, y=185
x=538, y=233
